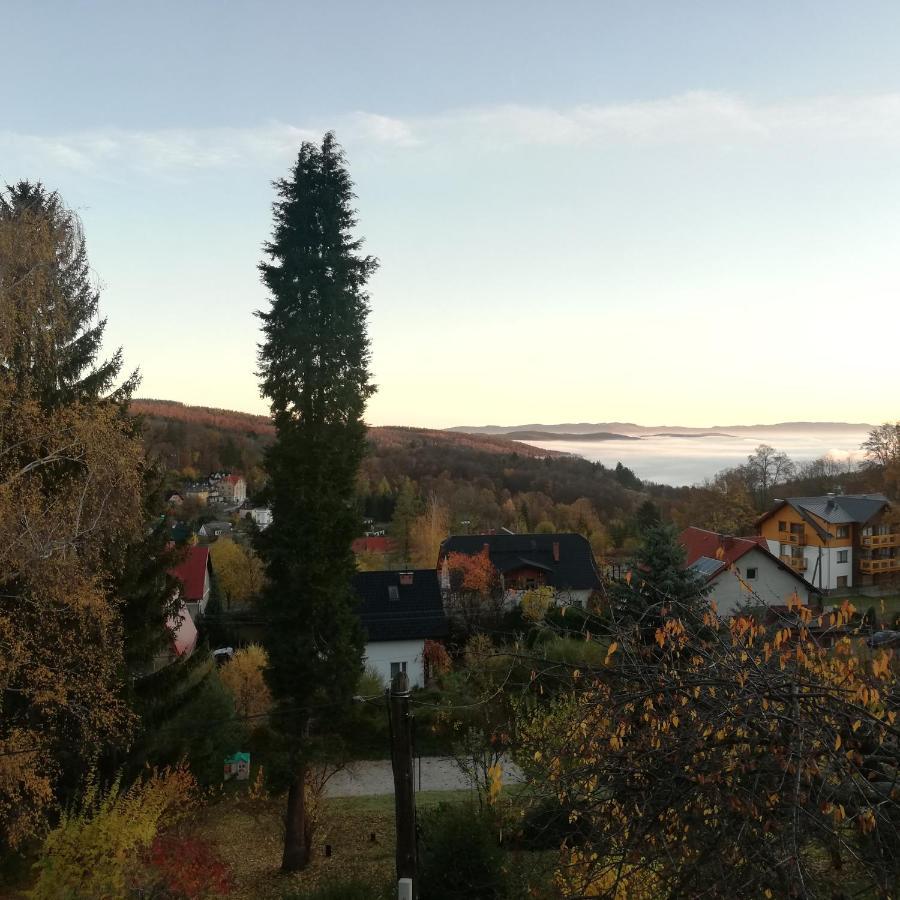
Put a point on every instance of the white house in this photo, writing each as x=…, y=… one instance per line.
x=742, y=571
x=262, y=516
x=400, y=611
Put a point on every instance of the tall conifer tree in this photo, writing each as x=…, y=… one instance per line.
x=59, y=332
x=314, y=366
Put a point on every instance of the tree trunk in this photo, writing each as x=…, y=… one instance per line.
x=296, y=832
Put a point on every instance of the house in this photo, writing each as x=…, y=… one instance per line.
x=741, y=571
x=174, y=498
x=213, y=530
x=194, y=573
x=262, y=516
x=835, y=541
x=234, y=488
x=399, y=612
x=562, y=561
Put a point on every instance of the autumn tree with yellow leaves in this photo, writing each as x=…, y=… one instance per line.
x=738, y=758
x=240, y=571
x=71, y=478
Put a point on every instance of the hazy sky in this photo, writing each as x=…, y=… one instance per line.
x=663, y=212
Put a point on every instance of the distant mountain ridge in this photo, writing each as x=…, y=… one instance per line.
x=584, y=430
x=564, y=436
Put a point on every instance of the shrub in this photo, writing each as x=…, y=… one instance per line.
x=187, y=868
x=460, y=854
x=93, y=850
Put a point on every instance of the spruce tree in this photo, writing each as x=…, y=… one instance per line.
x=313, y=365
x=58, y=332
x=661, y=585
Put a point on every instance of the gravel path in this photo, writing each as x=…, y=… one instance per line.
x=438, y=773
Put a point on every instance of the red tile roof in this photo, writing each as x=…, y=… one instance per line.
x=698, y=542
x=191, y=572
x=374, y=545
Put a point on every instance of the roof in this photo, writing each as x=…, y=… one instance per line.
x=216, y=526
x=836, y=509
x=191, y=572
x=709, y=553
x=374, y=545
x=418, y=611
x=566, y=557
x=234, y=479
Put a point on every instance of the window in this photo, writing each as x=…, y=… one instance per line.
x=842, y=556
x=397, y=668
x=842, y=581
x=530, y=584
x=393, y=592
x=843, y=531
x=751, y=573
x=782, y=526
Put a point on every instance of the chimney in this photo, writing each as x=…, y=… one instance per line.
x=556, y=551
x=406, y=578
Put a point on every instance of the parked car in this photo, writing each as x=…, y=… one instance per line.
x=223, y=655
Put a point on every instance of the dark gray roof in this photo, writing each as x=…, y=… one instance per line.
x=841, y=509
x=576, y=568
x=418, y=611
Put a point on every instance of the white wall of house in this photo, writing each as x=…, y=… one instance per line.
x=829, y=563
x=262, y=515
x=770, y=583
x=380, y=655
x=562, y=598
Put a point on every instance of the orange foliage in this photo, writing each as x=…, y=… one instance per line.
x=474, y=573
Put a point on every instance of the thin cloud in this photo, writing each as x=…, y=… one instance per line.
x=705, y=118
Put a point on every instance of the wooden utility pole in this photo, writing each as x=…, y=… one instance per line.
x=404, y=793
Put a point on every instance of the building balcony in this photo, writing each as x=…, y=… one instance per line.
x=880, y=540
x=794, y=538
x=797, y=563
x=873, y=566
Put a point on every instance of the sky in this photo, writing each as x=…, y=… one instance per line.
x=659, y=212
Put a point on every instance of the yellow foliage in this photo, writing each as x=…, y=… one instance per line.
x=536, y=602
x=70, y=486
x=584, y=874
x=244, y=678
x=495, y=782
x=95, y=847
x=240, y=571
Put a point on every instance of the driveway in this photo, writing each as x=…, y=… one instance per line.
x=431, y=773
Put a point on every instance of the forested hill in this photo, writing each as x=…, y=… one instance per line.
x=487, y=481
x=167, y=416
